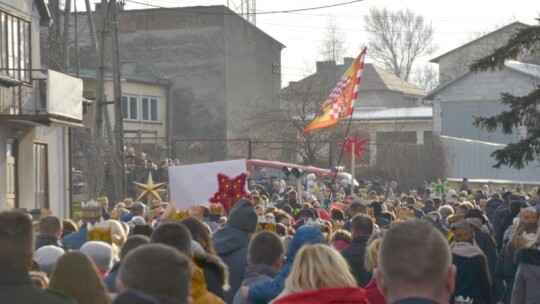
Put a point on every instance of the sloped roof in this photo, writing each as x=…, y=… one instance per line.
x=411, y=113
x=374, y=78
x=525, y=68
x=529, y=69
x=502, y=29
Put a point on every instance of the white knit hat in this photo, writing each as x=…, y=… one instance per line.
x=47, y=256
x=101, y=253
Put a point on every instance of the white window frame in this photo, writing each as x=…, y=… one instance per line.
x=149, y=109
x=15, y=47
x=126, y=116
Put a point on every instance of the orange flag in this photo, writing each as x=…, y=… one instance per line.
x=340, y=103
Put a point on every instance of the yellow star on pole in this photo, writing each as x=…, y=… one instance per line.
x=149, y=189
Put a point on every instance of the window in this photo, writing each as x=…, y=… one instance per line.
x=150, y=110
x=15, y=47
x=130, y=109
x=41, y=186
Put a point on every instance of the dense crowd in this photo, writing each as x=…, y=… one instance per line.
x=330, y=243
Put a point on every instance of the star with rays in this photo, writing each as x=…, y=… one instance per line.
x=149, y=189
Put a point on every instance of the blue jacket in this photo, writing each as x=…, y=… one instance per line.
x=231, y=244
x=75, y=240
x=267, y=291
x=255, y=274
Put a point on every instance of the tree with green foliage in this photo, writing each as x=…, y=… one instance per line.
x=524, y=111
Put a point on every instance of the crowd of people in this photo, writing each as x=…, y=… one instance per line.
x=327, y=244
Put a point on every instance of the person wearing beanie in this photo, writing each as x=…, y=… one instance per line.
x=47, y=256
x=232, y=242
x=101, y=254
x=472, y=278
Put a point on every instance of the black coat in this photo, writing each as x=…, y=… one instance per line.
x=490, y=207
x=417, y=212
x=16, y=287
x=354, y=254
x=46, y=240
x=488, y=246
x=472, y=279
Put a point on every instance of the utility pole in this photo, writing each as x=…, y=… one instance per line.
x=118, y=117
x=100, y=91
x=65, y=39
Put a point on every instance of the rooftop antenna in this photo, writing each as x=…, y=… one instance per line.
x=244, y=8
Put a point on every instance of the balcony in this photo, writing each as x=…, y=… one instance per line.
x=52, y=98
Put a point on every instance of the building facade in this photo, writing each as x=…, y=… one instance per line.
x=37, y=107
x=222, y=68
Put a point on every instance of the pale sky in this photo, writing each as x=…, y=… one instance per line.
x=455, y=22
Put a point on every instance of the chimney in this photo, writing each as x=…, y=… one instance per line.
x=325, y=66
x=348, y=61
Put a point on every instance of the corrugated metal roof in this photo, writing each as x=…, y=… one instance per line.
x=525, y=68
x=393, y=113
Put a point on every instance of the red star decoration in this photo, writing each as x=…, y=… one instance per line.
x=230, y=191
x=358, y=146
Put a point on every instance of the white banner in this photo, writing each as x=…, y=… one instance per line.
x=196, y=184
x=64, y=95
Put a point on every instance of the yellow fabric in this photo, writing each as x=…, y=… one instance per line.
x=198, y=292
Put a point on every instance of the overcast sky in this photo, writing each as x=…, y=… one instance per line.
x=455, y=23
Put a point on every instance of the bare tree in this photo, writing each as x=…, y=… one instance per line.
x=425, y=76
x=299, y=103
x=333, y=46
x=398, y=39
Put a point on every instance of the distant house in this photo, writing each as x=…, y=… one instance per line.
x=145, y=107
x=454, y=63
x=37, y=107
x=222, y=68
x=388, y=109
x=478, y=94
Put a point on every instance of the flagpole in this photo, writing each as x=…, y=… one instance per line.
x=342, y=147
x=353, y=156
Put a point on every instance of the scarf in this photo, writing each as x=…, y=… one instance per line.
x=465, y=249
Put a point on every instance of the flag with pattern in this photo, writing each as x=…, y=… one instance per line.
x=340, y=102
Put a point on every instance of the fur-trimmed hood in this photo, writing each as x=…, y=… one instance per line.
x=207, y=260
x=530, y=256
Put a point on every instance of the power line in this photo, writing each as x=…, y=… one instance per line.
x=256, y=13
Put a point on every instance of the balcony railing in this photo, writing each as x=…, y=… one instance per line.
x=56, y=97
x=24, y=98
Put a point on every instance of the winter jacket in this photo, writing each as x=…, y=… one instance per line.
x=16, y=287
x=354, y=254
x=231, y=245
x=472, y=279
x=45, y=240
x=332, y=295
x=75, y=240
x=373, y=294
x=491, y=206
x=255, y=274
x=134, y=296
x=199, y=292
x=527, y=279
x=488, y=246
x=216, y=273
x=265, y=292
x=417, y=212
